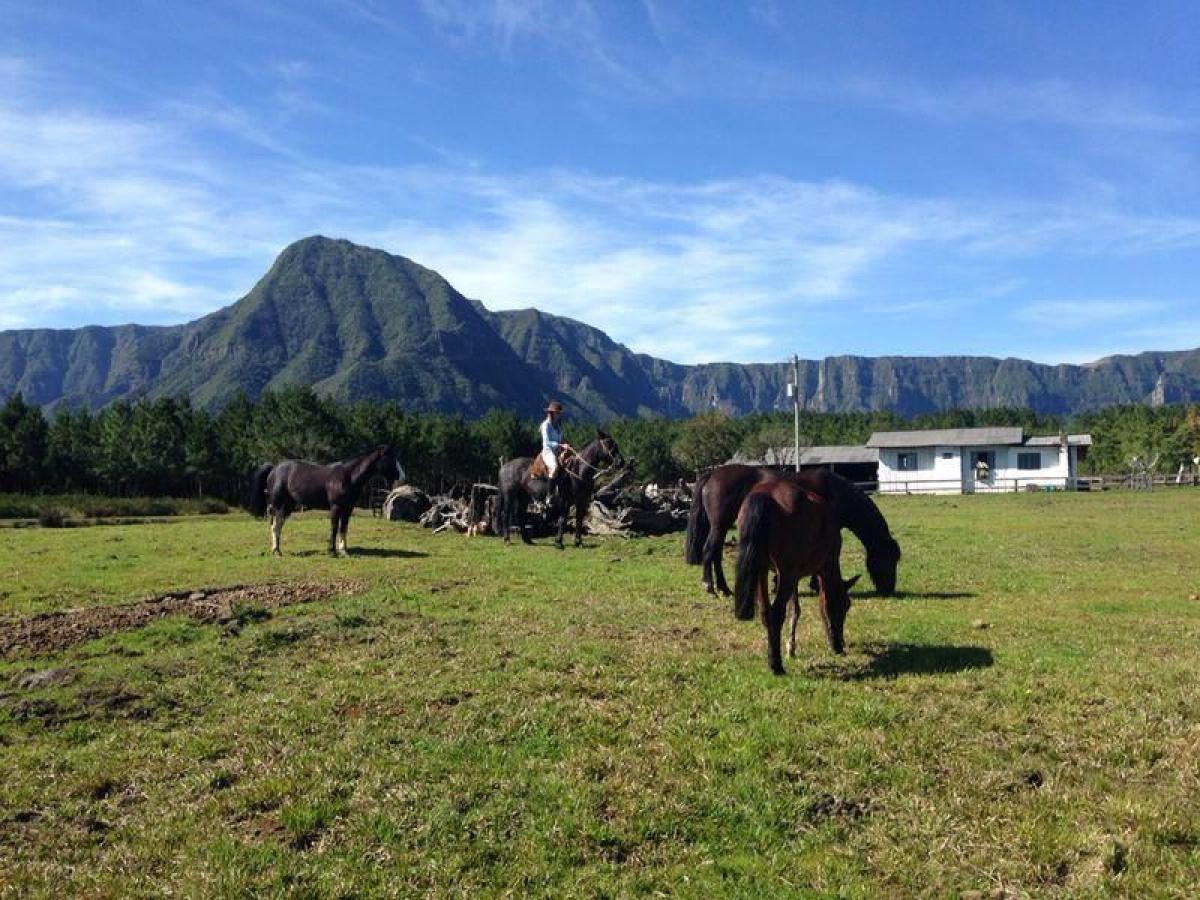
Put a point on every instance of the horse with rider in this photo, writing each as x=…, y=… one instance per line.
x=558, y=476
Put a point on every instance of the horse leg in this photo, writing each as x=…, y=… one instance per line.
x=773, y=616
x=719, y=567
x=711, y=553
x=522, y=511
x=277, y=517
x=504, y=517
x=562, y=524
x=580, y=511
x=334, y=515
x=344, y=526
x=794, y=606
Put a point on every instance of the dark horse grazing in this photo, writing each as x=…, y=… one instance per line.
x=719, y=495
x=517, y=489
x=283, y=488
x=796, y=532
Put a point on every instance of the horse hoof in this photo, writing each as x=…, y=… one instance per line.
x=277, y=553
x=777, y=669
x=709, y=588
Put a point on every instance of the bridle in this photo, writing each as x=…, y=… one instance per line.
x=606, y=444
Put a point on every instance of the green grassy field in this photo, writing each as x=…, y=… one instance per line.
x=490, y=720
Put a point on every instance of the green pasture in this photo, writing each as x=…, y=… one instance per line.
x=486, y=720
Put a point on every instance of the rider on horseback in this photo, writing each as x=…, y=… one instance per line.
x=552, y=443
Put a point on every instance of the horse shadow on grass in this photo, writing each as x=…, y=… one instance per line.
x=914, y=595
x=894, y=660
x=365, y=551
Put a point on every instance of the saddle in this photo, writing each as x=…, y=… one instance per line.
x=538, y=469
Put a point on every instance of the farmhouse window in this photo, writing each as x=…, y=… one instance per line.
x=906, y=462
x=1028, y=461
x=949, y=454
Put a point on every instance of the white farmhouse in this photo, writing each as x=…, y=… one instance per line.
x=976, y=460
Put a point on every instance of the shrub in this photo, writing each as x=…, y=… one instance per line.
x=52, y=517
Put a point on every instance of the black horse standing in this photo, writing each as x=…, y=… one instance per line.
x=574, y=489
x=293, y=484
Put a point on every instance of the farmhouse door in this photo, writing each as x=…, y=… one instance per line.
x=981, y=470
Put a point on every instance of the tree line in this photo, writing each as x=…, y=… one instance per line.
x=168, y=447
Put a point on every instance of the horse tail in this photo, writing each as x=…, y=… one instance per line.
x=753, y=534
x=256, y=503
x=698, y=525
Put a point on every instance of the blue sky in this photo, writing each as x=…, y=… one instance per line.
x=702, y=180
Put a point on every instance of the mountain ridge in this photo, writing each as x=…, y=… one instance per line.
x=359, y=323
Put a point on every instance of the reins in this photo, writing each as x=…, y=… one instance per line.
x=598, y=471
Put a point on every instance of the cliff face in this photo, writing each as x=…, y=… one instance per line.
x=358, y=323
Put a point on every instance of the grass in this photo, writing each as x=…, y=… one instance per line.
x=506, y=720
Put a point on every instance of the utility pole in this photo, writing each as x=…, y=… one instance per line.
x=794, y=390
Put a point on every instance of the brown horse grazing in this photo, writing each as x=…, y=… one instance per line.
x=795, y=532
x=718, y=496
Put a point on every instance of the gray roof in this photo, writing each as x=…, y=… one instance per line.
x=1054, y=440
x=811, y=456
x=948, y=437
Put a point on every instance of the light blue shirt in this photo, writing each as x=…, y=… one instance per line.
x=551, y=436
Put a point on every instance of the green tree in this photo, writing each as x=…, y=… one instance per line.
x=648, y=443
x=72, y=455
x=501, y=434
x=23, y=445
x=706, y=441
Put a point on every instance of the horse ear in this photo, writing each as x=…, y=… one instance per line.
x=601, y=434
x=849, y=584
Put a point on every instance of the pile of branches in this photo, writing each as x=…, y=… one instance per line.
x=619, y=507
x=633, y=509
x=472, y=511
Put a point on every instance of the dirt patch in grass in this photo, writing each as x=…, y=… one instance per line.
x=51, y=632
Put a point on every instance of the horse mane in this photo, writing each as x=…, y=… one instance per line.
x=590, y=450
x=859, y=512
x=353, y=462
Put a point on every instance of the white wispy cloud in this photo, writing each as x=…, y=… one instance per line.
x=1053, y=101
x=117, y=218
x=1091, y=312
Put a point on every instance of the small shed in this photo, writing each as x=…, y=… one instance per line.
x=855, y=462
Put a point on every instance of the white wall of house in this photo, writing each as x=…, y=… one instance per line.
x=938, y=470
x=949, y=470
x=1008, y=475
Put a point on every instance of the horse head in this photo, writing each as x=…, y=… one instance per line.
x=835, y=604
x=389, y=465
x=882, y=563
x=609, y=449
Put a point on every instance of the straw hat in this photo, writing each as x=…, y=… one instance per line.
x=554, y=407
